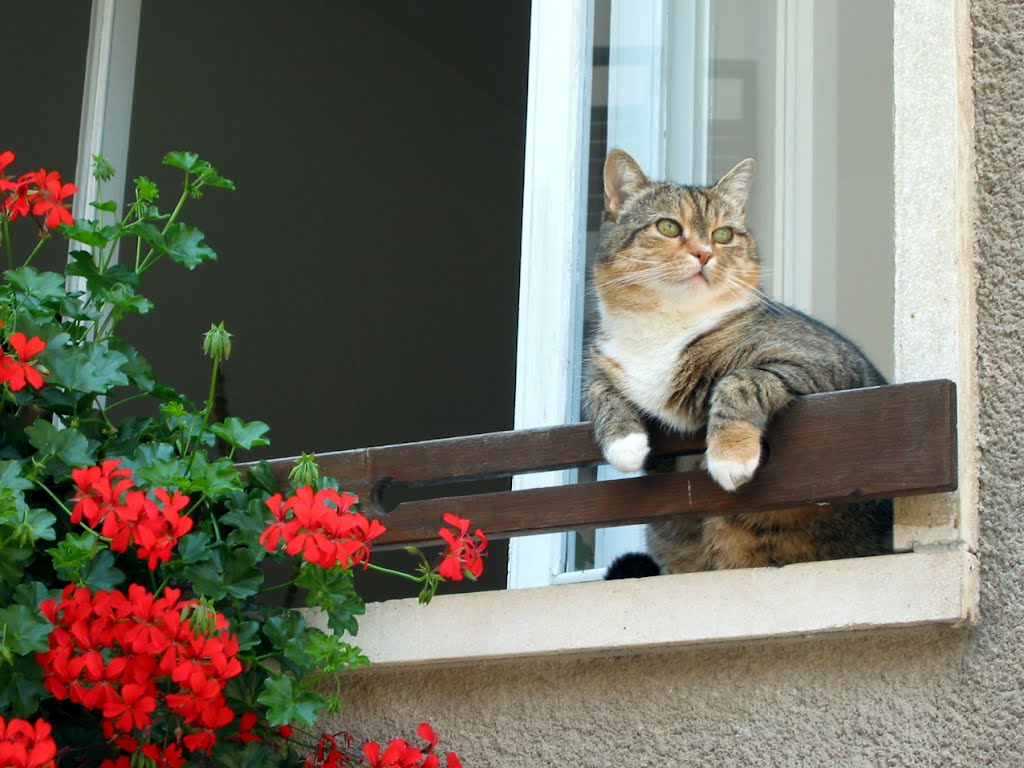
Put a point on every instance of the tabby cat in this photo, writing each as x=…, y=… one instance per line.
x=686, y=338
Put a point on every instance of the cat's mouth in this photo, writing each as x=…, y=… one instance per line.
x=696, y=280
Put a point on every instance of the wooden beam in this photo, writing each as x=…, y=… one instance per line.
x=897, y=440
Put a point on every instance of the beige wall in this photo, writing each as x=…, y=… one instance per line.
x=924, y=697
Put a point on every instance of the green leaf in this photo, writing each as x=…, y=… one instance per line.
x=195, y=547
x=287, y=634
x=184, y=244
x=21, y=687
x=248, y=634
x=333, y=590
x=13, y=563
x=261, y=476
x=240, y=434
x=227, y=754
x=162, y=473
x=333, y=654
x=25, y=630
x=68, y=445
x=241, y=577
x=73, y=553
x=86, y=232
x=33, y=593
x=148, y=234
x=38, y=525
x=183, y=160
x=84, y=265
x=114, y=285
x=91, y=368
x=204, y=569
x=108, y=206
x=287, y=702
x=10, y=476
x=100, y=572
x=248, y=517
x=41, y=285
x=220, y=478
x=147, y=453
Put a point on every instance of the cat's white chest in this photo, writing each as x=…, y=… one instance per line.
x=647, y=350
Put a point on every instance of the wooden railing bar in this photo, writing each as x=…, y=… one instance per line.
x=897, y=440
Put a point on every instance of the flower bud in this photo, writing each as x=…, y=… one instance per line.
x=102, y=170
x=305, y=472
x=201, y=616
x=217, y=342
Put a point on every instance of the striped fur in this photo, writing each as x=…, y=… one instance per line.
x=686, y=338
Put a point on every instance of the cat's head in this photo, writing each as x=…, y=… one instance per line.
x=673, y=243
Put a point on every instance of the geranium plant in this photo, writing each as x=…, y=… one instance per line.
x=133, y=625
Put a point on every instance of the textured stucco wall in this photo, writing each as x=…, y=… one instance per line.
x=924, y=697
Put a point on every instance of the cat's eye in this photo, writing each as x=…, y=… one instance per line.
x=722, y=235
x=669, y=228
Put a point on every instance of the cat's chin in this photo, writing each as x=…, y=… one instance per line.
x=693, y=288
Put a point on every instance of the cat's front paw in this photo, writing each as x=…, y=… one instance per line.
x=628, y=454
x=734, y=451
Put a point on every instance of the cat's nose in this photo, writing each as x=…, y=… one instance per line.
x=702, y=252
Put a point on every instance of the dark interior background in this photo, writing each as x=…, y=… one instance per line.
x=369, y=259
x=44, y=45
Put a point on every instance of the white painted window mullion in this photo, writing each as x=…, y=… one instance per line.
x=106, y=103
x=553, y=257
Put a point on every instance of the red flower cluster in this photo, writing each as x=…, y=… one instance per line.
x=322, y=527
x=401, y=754
x=18, y=370
x=463, y=554
x=129, y=655
x=23, y=745
x=108, y=500
x=168, y=757
x=39, y=193
x=398, y=754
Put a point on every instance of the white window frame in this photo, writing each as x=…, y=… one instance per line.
x=934, y=582
x=637, y=118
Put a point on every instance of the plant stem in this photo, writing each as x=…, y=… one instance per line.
x=403, y=574
x=34, y=251
x=206, y=411
x=127, y=400
x=54, y=497
x=285, y=585
x=146, y=263
x=7, y=243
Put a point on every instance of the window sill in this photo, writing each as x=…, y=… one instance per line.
x=634, y=615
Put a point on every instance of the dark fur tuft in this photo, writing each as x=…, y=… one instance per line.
x=635, y=565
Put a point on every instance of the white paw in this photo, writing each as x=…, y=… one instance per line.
x=628, y=454
x=732, y=474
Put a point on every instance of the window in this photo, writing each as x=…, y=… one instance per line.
x=932, y=338
x=933, y=327
x=690, y=89
x=386, y=258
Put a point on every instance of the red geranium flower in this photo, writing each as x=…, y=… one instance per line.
x=24, y=745
x=322, y=527
x=463, y=555
x=6, y=158
x=49, y=202
x=19, y=371
x=398, y=754
x=131, y=709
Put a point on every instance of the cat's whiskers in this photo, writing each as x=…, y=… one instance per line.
x=738, y=287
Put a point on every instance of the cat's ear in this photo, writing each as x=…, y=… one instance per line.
x=622, y=179
x=735, y=185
